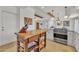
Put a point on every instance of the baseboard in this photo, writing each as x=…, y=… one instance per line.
x=7, y=43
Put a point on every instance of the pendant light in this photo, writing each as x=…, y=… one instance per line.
x=65, y=13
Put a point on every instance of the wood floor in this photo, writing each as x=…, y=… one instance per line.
x=57, y=47
x=51, y=47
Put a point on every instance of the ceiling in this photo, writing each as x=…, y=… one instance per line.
x=59, y=11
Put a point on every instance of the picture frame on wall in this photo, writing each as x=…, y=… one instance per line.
x=28, y=20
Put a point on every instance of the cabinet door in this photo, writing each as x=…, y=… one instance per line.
x=50, y=34
x=77, y=42
x=9, y=27
x=71, y=38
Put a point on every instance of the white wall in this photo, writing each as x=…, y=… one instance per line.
x=27, y=12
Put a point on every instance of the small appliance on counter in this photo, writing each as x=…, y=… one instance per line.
x=24, y=29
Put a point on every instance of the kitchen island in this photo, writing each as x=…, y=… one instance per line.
x=31, y=40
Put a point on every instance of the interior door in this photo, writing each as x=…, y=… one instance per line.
x=9, y=27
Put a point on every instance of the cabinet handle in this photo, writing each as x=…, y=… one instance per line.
x=2, y=28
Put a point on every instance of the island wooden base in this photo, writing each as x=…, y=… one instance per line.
x=36, y=38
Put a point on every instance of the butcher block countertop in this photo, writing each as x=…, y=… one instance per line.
x=31, y=33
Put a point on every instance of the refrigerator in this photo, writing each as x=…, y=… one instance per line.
x=73, y=34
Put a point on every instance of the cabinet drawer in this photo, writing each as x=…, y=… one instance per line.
x=33, y=38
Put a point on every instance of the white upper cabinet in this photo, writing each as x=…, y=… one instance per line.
x=72, y=23
x=76, y=28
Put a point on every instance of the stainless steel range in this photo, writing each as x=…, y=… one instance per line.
x=60, y=35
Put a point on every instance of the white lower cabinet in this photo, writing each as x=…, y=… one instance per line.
x=71, y=38
x=77, y=42
x=50, y=34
